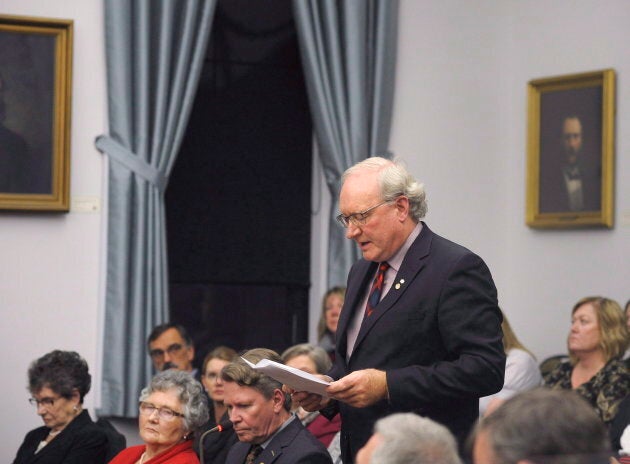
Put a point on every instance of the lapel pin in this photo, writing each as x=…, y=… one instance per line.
x=400, y=282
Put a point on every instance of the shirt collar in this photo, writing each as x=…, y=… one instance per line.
x=396, y=260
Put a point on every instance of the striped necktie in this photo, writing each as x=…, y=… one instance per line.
x=377, y=289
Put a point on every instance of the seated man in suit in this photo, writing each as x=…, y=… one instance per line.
x=259, y=411
x=170, y=347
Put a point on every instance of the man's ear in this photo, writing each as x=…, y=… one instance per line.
x=191, y=353
x=278, y=400
x=402, y=207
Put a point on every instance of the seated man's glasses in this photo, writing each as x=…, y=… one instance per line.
x=147, y=409
x=171, y=350
x=359, y=219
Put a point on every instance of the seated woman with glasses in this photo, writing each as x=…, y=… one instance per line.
x=215, y=445
x=58, y=382
x=172, y=408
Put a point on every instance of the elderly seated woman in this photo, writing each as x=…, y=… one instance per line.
x=58, y=382
x=172, y=408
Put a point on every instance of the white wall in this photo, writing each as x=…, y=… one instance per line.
x=50, y=264
x=459, y=122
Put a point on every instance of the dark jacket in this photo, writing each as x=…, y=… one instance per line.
x=81, y=442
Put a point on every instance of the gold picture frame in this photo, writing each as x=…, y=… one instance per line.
x=570, y=150
x=35, y=108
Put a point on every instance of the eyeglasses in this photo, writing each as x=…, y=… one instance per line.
x=45, y=402
x=171, y=350
x=147, y=409
x=212, y=376
x=359, y=219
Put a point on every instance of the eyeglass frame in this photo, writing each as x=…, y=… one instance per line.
x=212, y=376
x=46, y=402
x=163, y=412
x=159, y=353
x=359, y=219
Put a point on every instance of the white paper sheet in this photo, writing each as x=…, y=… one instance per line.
x=290, y=376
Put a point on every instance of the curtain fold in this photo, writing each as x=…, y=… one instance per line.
x=154, y=51
x=348, y=51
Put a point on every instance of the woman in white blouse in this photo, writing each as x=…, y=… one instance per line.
x=521, y=371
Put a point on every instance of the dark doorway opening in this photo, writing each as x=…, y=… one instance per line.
x=239, y=197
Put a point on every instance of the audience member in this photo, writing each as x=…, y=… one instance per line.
x=215, y=445
x=327, y=327
x=172, y=408
x=406, y=438
x=170, y=347
x=542, y=426
x=521, y=371
x=58, y=383
x=314, y=360
x=420, y=329
x=597, y=340
x=627, y=314
x=260, y=413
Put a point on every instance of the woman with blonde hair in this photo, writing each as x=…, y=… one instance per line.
x=597, y=341
x=521, y=371
x=327, y=327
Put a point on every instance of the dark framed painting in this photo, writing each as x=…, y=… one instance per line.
x=570, y=150
x=35, y=93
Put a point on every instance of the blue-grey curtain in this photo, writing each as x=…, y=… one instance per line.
x=348, y=51
x=154, y=51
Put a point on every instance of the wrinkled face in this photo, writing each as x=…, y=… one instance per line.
x=156, y=431
x=212, y=380
x=584, y=336
x=365, y=454
x=58, y=414
x=572, y=137
x=380, y=237
x=482, y=449
x=303, y=363
x=255, y=417
x=171, y=348
x=334, y=303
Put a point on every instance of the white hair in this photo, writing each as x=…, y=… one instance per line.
x=410, y=439
x=395, y=180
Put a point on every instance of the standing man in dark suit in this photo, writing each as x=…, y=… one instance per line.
x=260, y=411
x=420, y=329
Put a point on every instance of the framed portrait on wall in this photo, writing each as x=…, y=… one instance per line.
x=570, y=150
x=35, y=92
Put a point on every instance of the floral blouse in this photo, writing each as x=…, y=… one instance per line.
x=604, y=391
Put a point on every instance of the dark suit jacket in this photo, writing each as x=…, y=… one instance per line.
x=438, y=336
x=292, y=445
x=80, y=442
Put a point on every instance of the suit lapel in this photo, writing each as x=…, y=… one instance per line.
x=413, y=263
x=279, y=442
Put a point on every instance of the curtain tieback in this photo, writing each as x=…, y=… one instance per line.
x=131, y=161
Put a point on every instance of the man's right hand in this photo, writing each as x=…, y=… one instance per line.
x=310, y=401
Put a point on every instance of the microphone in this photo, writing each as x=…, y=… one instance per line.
x=222, y=427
